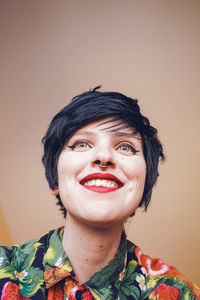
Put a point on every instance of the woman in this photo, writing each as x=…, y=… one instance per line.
x=101, y=162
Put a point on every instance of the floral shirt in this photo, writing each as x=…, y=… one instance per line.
x=40, y=269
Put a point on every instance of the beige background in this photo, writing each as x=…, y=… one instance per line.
x=53, y=50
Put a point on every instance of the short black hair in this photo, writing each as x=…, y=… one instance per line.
x=89, y=107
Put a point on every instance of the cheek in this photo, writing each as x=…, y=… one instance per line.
x=63, y=166
x=136, y=169
x=68, y=165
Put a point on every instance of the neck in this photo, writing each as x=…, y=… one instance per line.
x=89, y=248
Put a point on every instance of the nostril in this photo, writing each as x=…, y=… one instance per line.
x=108, y=164
x=103, y=165
x=97, y=162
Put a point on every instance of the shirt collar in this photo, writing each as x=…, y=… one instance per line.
x=56, y=262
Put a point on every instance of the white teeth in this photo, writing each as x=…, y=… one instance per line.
x=89, y=183
x=102, y=182
x=98, y=182
x=109, y=184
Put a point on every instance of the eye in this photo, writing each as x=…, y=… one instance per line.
x=80, y=145
x=126, y=148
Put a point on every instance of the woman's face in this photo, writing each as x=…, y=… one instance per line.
x=96, y=196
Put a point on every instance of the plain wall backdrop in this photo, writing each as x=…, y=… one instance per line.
x=52, y=50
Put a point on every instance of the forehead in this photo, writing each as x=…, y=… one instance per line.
x=117, y=127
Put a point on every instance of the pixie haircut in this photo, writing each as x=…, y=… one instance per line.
x=92, y=106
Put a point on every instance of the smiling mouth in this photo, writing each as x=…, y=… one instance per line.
x=101, y=182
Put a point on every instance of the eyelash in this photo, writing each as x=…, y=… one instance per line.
x=133, y=150
x=73, y=146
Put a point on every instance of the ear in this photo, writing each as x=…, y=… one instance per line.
x=55, y=191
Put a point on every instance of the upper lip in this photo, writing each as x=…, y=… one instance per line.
x=108, y=176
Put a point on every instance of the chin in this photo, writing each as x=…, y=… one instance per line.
x=102, y=224
x=104, y=220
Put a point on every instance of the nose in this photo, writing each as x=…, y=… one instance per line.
x=103, y=166
x=103, y=159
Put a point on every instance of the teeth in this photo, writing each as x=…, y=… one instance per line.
x=89, y=183
x=98, y=182
x=102, y=182
x=109, y=184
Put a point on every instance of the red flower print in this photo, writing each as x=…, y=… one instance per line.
x=69, y=285
x=165, y=292
x=55, y=292
x=81, y=292
x=154, y=267
x=11, y=292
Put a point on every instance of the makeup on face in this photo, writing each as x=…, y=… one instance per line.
x=101, y=174
x=101, y=182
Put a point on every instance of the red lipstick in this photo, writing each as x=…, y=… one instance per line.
x=101, y=176
x=101, y=189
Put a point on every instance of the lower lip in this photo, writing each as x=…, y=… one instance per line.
x=100, y=189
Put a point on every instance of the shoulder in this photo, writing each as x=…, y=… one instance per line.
x=158, y=280
x=21, y=266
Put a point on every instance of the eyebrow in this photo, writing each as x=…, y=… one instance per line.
x=112, y=132
x=84, y=132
